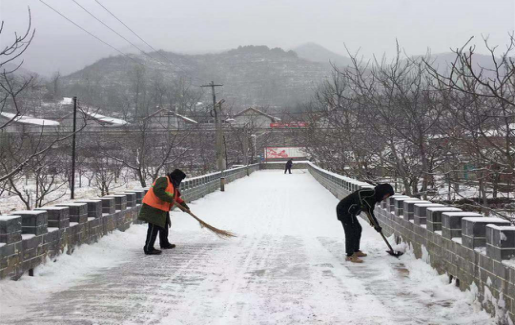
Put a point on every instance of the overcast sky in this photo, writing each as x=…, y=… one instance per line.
x=199, y=26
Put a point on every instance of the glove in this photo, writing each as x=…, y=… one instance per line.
x=378, y=228
x=184, y=205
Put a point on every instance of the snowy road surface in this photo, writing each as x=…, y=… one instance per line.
x=286, y=267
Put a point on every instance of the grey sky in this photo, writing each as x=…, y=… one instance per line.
x=197, y=26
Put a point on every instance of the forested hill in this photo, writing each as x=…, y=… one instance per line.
x=251, y=75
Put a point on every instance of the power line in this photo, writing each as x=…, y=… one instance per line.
x=100, y=21
x=71, y=21
x=122, y=53
x=125, y=25
x=133, y=32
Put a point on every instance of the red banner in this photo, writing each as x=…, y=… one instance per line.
x=284, y=152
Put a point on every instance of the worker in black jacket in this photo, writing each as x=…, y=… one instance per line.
x=350, y=207
x=288, y=166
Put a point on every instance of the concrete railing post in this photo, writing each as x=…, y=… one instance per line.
x=408, y=209
x=451, y=223
x=399, y=204
x=94, y=208
x=10, y=229
x=473, y=230
x=500, y=242
x=58, y=217
x=434, y=217
x=420, y=214
x=33, y=222
x=78, y=211
x=108, y=205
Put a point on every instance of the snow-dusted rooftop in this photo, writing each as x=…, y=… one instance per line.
x=187, y=119
x=66, y=101
x=106, y=119
x=29, y=120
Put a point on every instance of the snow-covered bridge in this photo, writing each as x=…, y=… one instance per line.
x=287, y=266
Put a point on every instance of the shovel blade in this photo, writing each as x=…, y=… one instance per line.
x=394, y=253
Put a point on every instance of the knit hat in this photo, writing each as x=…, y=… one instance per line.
x=177, y=175
x=381, y=190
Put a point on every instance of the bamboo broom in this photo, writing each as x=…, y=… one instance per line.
x=224, y=234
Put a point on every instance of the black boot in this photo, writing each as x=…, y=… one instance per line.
x=153, y=251
x=167, y=246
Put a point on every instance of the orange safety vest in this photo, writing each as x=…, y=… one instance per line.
x=152, y=200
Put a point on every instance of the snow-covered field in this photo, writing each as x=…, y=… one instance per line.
x=285, y=267
x=11, y=202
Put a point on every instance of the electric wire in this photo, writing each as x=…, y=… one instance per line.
x=93, y=35
x=100, y=21
x=106, y=43
x=133, y=32
x=150, y=46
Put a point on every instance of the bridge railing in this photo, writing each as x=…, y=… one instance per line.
x=473, y=250
x=30, y=238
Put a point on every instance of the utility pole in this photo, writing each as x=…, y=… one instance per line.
x=245, y=145
x=73, y=147
x=220, y=161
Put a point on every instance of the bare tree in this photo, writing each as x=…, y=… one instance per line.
x=12, y=51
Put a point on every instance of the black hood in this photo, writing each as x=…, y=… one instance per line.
x=381, y=190
x=176, y=177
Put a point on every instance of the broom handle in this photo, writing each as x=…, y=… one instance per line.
x=188, y=211
x=177, y=204
x=372, y=221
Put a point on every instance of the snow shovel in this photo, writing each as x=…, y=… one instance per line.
x=224, y=234
x=391, y=251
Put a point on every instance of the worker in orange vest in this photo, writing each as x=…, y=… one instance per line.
x=156, y=207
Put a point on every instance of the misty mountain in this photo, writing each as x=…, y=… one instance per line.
x=317, y=53
x=17, y=70
x=443, y=62
x=251, y=76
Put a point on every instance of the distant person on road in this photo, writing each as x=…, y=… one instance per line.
x=350, y=207
x=156, y=207
x=288, y=166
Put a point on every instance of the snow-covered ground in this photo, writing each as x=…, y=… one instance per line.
x=285, y=267
x=10, y=202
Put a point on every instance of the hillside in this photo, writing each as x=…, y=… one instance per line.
x=251, y=75
x=316, y=53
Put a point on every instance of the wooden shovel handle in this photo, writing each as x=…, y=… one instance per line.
x=372, y=221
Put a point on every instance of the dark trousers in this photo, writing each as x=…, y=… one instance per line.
x=352, y=230
x=287, y=169
x=152, y=232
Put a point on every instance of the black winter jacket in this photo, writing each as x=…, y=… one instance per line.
x=363, y=200
x=354, y=203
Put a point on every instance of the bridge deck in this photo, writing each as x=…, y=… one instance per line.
x=286, y=267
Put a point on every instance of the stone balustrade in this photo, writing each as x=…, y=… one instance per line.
x=473, y=250
x=29, y=238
